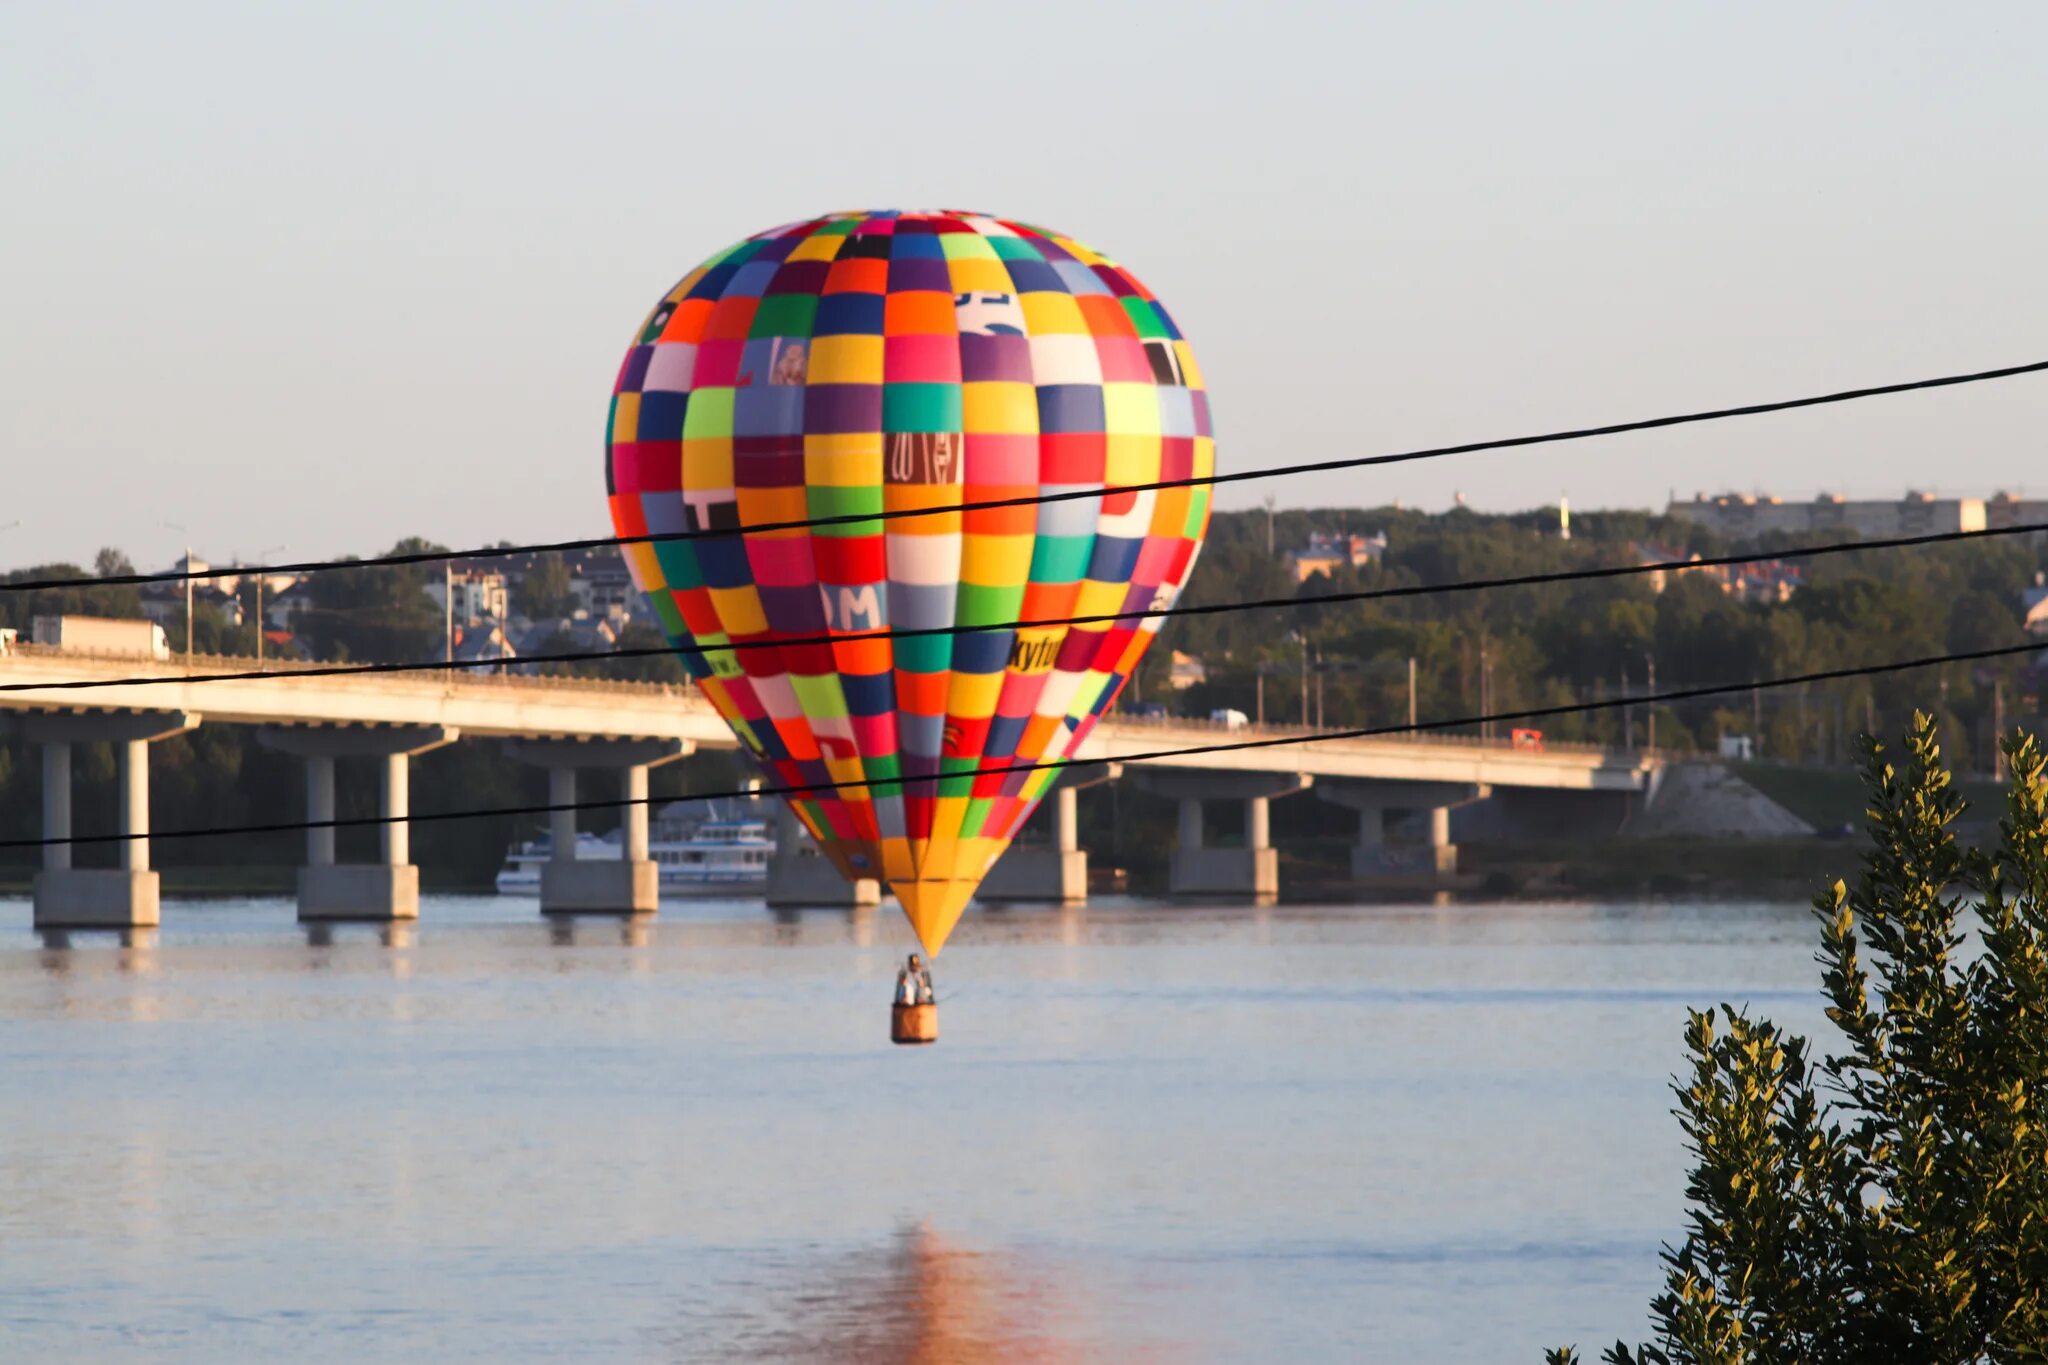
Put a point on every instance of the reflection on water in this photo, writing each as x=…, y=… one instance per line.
x=1411, y=1132
x=631, y=931
x=917, y=1298
x=400, y=933
x=130, y=940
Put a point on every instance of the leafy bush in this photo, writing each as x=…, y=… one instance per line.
x=1886, y=1204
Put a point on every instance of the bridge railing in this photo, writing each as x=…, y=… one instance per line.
x=1421, y=736
x=494, y=674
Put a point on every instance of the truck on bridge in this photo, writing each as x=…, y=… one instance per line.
x=106, y=635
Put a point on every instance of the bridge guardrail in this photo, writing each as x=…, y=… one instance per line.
x=1427, y=736
x=493, y=677
x=480, y=675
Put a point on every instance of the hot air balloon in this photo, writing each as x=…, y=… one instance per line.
x=871, y=362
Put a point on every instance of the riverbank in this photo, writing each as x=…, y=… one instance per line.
x=1711, y=869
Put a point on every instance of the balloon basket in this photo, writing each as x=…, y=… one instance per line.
x=912, y=1024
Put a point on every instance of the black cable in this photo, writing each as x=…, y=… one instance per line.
x=1277, y=741
x=1210, y=609
x=1036, y=499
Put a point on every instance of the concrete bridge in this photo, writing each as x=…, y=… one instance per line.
x=572, y=726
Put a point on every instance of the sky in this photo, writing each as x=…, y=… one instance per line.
x=318, y=276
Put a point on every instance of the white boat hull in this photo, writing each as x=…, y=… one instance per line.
x=718, y=857
x=673, y=883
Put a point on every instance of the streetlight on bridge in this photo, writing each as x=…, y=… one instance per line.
x=261, y=555
x=175, y=526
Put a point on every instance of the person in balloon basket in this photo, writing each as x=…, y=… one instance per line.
x=914, y=983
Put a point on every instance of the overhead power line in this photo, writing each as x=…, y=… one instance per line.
x=1108, y=618
x=1036, y=499
x=1229, y=746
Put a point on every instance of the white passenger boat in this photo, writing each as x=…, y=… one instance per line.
x=699, y=848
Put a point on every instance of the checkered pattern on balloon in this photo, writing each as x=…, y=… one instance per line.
x=887, y=362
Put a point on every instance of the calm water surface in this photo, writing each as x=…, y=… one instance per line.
x=1150, y=1133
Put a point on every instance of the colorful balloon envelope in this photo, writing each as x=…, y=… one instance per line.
x=892, y=362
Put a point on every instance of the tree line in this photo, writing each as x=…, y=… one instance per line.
x=1530, y=646
x=1561, y=643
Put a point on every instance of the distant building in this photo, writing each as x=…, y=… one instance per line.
x=1762, y=580
x=1325, y=554
x=599, y=582
x=602, y=584
x=2002, y=509
x=1766, y=580
x=483, y=639
x=230, y=578
x=282, y=644
x=2034, y=606
x=567, y=634
x=229, y=607
x=1185, y=671
x=1744, y=516
x=280, y=609
x=478, y=594
x=1659, y=579
x=165, y=601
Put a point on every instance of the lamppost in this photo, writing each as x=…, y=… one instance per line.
x=1301, y=638
x=1485, y=691
x=1650, y=706
x=188, y=584
x=261, y=555
x=1628, y=713
x=448, y=614
x=1319, y=689
x=1411, y=696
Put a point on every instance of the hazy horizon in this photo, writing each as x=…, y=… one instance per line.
x=324, y=278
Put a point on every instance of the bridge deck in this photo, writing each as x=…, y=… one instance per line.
x=507, y=705
x=1395, y=758
x=474, y=702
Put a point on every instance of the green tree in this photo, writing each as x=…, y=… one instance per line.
x=544, y=592
x=1889, y=1203
x=379, y=612
x=649, y=668
x=19, y=609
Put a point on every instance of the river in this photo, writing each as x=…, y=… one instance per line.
x=1149, y=1133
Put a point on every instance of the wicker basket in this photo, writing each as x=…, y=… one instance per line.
x=913, y=1024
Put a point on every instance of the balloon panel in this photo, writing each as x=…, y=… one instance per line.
x=862, y=362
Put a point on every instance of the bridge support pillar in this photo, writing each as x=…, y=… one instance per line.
x=1200, y=871
x=1056, y=874
x=629, y=884
x=388, y=889
x=800, y=876
x=125, y=897
x=1373, y=859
